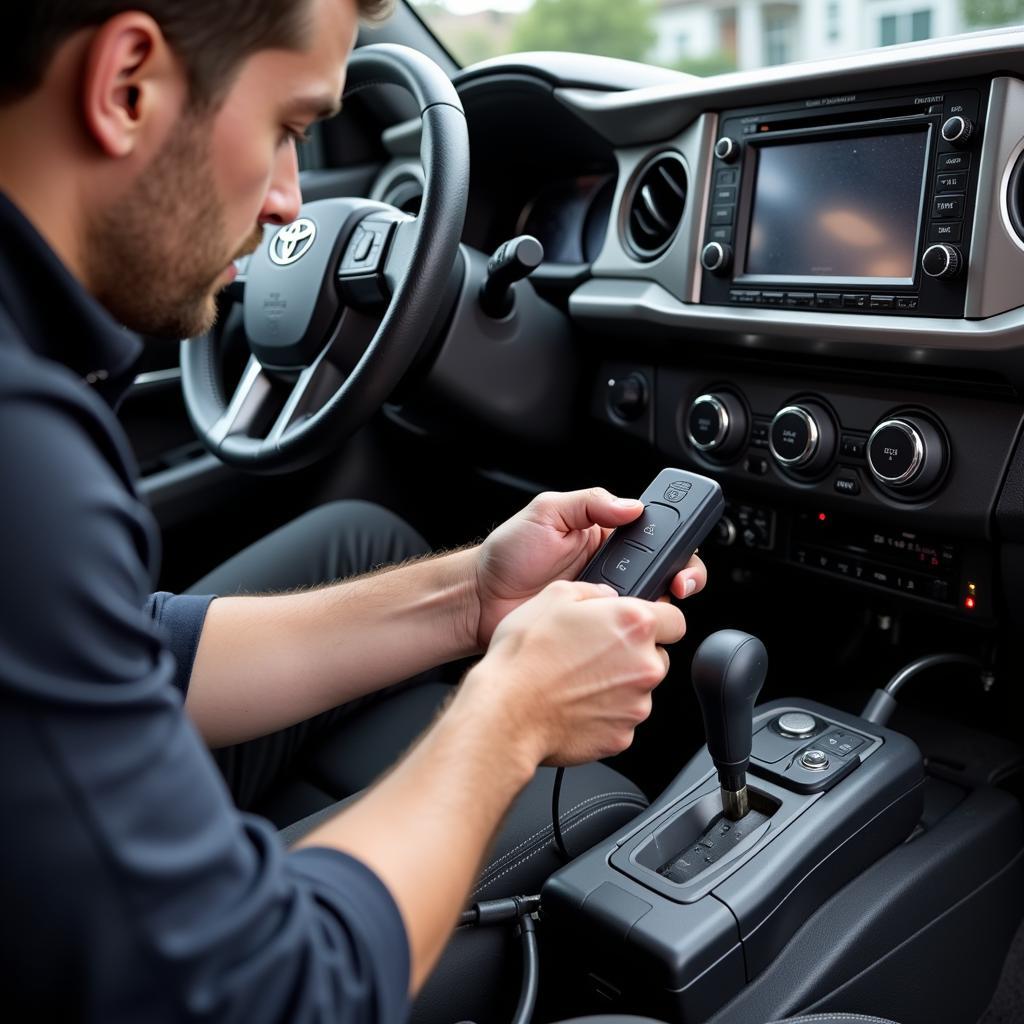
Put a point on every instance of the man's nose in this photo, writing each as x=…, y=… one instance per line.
x=284, y=197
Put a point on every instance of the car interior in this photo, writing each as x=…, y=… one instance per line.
x=803, y=283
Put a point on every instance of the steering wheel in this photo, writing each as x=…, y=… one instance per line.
x=337, y=304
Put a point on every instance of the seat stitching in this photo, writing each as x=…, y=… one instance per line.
x=834, y=1017
x=541, y=849
x=564, y=816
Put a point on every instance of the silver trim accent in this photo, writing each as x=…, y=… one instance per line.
x=916, y=461
x=728, y=149
x=735, y=803
x=795, y=730
x=723, y=420
x=632, y=195
x=814, y=767
x=155, y=377
x=963, y=134
x=813, y=436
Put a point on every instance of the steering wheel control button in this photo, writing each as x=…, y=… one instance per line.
x=625, y=563
x=677, y=490
x=797, y=724
x=942, y=260
x=653, y=528
x=815, y=760
x=842, y=743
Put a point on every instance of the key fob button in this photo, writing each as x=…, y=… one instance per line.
x=653, y=528
x=625, y=563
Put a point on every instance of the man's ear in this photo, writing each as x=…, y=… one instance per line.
x=133, y=85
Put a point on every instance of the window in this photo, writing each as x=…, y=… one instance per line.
x=904, y=28
x=778, y=36
x=832, y=20
x=887, y=35
x=921, y=25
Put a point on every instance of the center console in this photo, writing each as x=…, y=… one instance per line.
x=853, y=203
x=695, y=899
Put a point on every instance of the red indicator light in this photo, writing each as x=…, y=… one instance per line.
x=969, y=602
x=822, y=517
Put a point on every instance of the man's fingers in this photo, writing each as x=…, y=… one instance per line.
x=578, y=510
x=670, y=623
x=692, y=580
x=574, y=590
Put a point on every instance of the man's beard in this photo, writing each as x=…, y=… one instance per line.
x=155, y=258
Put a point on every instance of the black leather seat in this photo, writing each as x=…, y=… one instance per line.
x=812, y=1018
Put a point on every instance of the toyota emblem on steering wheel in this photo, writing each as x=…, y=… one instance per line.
x=292, y=242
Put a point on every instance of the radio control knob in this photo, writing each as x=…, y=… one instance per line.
x=716, y=257
x=802, y=438
x=727, y=149
x=957, y=130
x=717, y=424
x=942, y=260
x=906, y=453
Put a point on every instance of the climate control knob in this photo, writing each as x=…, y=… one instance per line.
x=906, y=453
x=942, y=260
x=717, y=424
x=957, y=130
x=802, y=438
x=727, y=149
x=716, y=257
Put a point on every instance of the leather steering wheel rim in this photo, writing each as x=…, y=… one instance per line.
x=412, y=309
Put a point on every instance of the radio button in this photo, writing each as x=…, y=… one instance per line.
x=799, y=298
x=855, y=301
x=828, y=300
x=727, y=149
x=906, y=302
x=882, y=302
x=773, y=298
x=725, y=214
x=953, y=161
x=721, y=234
x=957, y=130
x=940, y=232
x=851, y=447
x=724, y=194
x=951, y=182
x=945, y=208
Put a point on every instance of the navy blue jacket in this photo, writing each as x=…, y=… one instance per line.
x=131, y=889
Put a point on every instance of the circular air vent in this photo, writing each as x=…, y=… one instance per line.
x=1015, y=198
x=656, y=206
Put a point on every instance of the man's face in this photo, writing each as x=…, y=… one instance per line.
x=162, y=253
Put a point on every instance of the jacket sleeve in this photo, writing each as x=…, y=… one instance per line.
x=132, y=888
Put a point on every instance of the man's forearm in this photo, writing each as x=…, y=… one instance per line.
x=265, y=663
x=424, y=828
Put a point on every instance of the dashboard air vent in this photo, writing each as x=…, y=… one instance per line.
x=1015, y=198
x=656, y=206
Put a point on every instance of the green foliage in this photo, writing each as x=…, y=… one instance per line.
x=615, y=28
x=713, y=64
x=981, y=13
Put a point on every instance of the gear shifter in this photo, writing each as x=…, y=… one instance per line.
x=728, y=672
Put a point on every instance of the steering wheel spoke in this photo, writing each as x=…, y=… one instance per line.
x=310, y=392
x=247, y=404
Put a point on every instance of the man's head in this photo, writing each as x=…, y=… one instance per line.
x=151, y=140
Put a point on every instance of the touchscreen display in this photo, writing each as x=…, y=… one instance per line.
x=841, y=209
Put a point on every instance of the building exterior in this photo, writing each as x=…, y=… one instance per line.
x=754, y=33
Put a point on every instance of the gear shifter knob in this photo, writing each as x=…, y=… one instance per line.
x=728, y=672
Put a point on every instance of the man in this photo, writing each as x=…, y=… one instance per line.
x=131, y=888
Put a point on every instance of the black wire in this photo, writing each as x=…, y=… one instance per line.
x=556, y=824
x=531, y=971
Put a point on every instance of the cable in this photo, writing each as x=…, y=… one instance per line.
x=882, y=703
x=531, y=971
x=556, y=824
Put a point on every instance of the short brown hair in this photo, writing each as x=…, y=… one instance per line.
x=212, y=39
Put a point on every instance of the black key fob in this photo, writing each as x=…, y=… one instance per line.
x=640, y=559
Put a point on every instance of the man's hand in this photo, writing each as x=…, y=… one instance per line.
x=570, y=672
x=553, y=538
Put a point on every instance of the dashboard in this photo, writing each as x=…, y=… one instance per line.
x=806, y=281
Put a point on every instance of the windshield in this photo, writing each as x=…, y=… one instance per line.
x=703, y=37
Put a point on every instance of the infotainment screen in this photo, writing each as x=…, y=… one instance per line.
x=838, y=210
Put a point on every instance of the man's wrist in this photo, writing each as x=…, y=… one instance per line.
x=461, y=568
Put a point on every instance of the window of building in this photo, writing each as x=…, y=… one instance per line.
x=832, y=20
x=904, y=28
x=779, y=25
